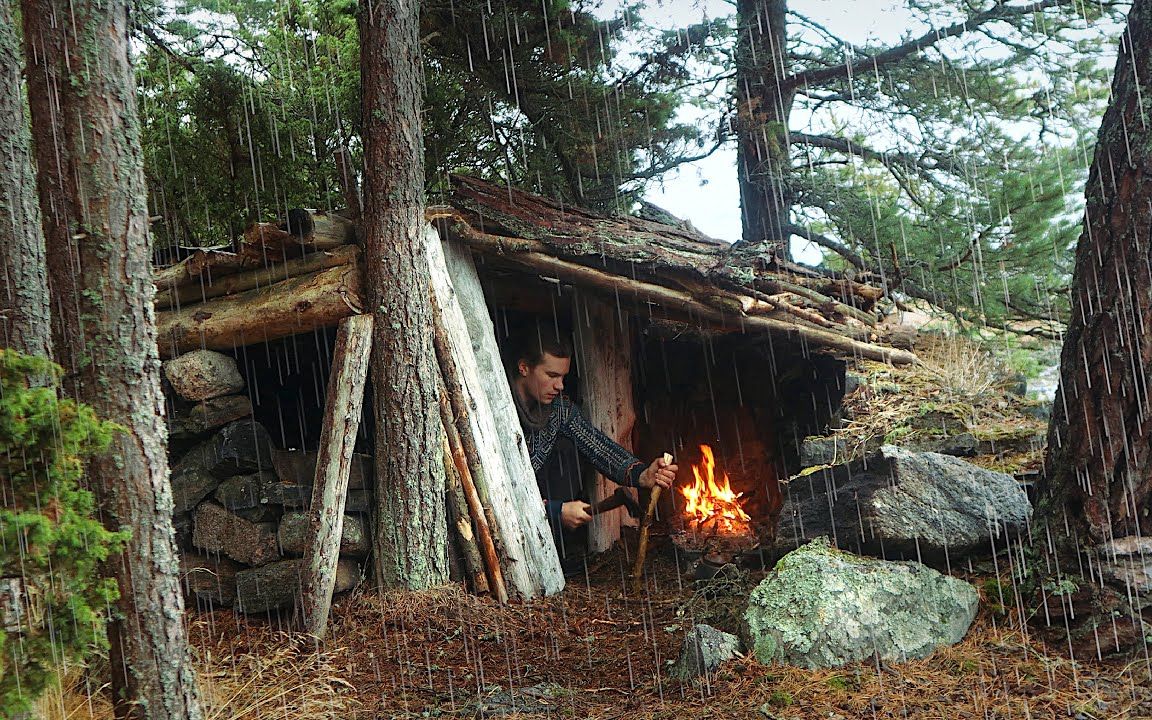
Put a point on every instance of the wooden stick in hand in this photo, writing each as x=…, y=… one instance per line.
x=645, y=525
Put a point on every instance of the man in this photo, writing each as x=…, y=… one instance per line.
x=543, y=360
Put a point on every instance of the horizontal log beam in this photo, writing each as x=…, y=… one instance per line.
x=678, y=300
x=209, y=285
x=290, y=307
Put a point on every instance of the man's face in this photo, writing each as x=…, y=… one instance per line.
x=544, y=381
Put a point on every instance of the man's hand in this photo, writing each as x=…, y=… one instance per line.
x=658, y=473
x=574, y=513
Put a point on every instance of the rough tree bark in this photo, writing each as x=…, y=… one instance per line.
x=411, y=536
x=25, y=322
x=763, y=106
x=1092, y=519
x=87, y=147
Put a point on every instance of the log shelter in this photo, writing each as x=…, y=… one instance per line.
x=679, y=343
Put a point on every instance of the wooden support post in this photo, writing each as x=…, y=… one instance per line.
x=342, y=407
x=528, y=558
x=604, y=347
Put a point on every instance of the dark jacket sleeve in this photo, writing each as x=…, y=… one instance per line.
x=605, y=454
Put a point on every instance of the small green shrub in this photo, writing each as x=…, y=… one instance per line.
x=49, y=540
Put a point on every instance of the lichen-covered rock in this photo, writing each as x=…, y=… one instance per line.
x=904, y=505
x=203, y=374
x=216, y=530
x=293, y=534
x=276, y=586
x=705, y=649
x=821, y=607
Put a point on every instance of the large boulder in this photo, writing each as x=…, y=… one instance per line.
x=276, y=586
x=299, y=467
x=294, y=537
x=900, y=504
x=705, y=649
x=203, y=374
x=821, y=607
x=216, y=530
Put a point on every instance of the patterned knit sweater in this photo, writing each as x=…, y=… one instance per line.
x=606, y=455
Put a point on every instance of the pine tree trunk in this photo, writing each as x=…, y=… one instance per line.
x=411, y=536
x=25, y=321
x=87, y=144
x=1096, y=497
x=762, y=112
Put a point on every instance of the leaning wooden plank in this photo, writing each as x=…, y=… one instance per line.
x=207, y=286
x=342, y=407
x=298, y=305
x=530, y=563
x=604, y=346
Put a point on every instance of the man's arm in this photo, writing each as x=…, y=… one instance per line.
x=603, y=452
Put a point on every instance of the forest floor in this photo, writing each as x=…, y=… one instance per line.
x=597, y=651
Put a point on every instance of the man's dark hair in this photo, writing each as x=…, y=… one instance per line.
x=539, y=338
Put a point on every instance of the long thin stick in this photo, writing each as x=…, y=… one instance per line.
x=475, y=508
x=642, y=552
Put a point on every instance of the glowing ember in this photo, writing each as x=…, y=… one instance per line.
x=711, y=506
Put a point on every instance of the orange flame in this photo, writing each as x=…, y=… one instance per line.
x=710, y=504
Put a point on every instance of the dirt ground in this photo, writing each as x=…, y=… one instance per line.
x=597, y=651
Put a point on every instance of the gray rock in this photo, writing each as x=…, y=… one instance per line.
x=962, y=445
x=206, y=416
x=241, y=448
x=817, y=450
x=299, y=467
x=1126, y=563
x=218, y=531
x=246, y=491
x=823, y=608
x=293, y=534
x=277, y=585
x=208, y=581
x=705, y=649
x=900, y=504
x=191, y=481
x=203, y=374
x=299, y=496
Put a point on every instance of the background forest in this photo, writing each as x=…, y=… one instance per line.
x=947, y=167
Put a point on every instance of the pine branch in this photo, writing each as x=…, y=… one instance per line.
x=999, y=11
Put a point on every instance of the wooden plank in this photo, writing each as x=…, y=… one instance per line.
x=531, y=565
x=297, y=305
x=342, y=407
x=604, y=347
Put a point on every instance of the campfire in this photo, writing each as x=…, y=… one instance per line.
x=713, y=520
x=710, y=507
